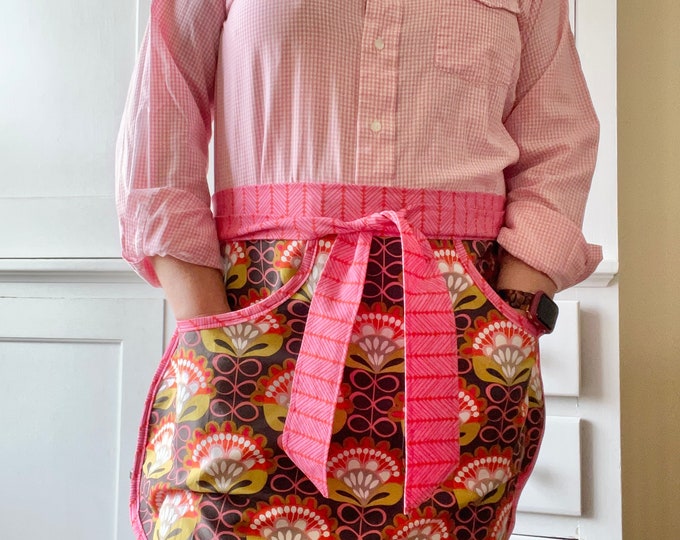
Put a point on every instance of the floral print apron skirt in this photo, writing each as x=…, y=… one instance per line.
x=210, y=464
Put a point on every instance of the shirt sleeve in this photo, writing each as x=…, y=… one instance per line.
x=162, y=195
x=555, y=127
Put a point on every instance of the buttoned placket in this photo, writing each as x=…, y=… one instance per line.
x=378, y=78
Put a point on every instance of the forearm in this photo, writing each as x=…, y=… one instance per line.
x=191, y=290
x=515, y=274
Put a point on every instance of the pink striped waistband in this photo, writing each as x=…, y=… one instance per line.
x=259, y=211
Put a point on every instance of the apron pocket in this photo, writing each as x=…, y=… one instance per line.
x=292, y=264
x=505, y=309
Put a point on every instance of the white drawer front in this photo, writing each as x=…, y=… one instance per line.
x=560, y=353
x=555, y=485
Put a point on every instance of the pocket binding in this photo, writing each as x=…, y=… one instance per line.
x=505, y=309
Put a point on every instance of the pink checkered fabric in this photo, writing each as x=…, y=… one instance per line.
x=476, y=96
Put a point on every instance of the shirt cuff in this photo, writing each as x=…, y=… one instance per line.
x=549, y=242
x=167, y=222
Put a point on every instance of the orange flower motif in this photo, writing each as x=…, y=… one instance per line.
x=378, y=337
x=261, y=337
x=289, y=254
x=274, y=388
x=482, y=476
x=291, y=517
x=457, y=279
x=365, y=473
x=505, y=342
x=236, y=264
x=253, y=297
x=159, y=449
x=501, y=351
x=535, y=386
x=223, y=459
x=421, y=525
x=499, y=529
x=176, y=512
x=273, y=395
x=191, y=377
x=471, y=413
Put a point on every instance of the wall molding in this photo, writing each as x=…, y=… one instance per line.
x=103, y=270
x=116, y=270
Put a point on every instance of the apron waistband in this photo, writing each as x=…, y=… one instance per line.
x=311, y=209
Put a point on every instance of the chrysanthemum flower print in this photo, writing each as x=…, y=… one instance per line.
x=500, y=528
x=291, y=518
x=288, y=258
x=377, y=338
x=471, y=413
x=224, y=459
x=365, y=473
x=159, y=449
x=262, y=336
x=236, y=264
x=421, y=525
x=273, y=395
x=191, y=377
x=176, y=513
x=481, y=476
x=457, y=279
x=502, y=351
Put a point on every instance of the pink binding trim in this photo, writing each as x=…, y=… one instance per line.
x=137, y=527
x=487, y=290
x=523, y=478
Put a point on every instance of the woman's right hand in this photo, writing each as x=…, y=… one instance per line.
x=191, y=290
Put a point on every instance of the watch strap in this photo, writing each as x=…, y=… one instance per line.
x=517, y=299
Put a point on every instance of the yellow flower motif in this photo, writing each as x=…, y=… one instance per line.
x=260, y=337
x=223, y=459
x=176, y=513
x=158, y=458
x=503, y=352
x=364, y=473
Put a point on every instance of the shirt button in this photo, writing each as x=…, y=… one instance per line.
x=379, y=44
x=376, y=126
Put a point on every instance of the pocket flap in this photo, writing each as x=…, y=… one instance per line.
x=508, y=5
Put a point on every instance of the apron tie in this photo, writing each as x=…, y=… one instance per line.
x=430, y=357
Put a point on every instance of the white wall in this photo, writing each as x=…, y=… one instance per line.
x=65, y=67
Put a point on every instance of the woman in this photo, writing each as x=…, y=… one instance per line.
x=399, y=190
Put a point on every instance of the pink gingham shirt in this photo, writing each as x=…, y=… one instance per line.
x=461, y=95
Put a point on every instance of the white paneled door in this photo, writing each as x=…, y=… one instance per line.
x=73, y=375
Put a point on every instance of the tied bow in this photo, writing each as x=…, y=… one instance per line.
x=430, y=356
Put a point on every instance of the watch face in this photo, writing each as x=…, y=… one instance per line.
x=545, y=311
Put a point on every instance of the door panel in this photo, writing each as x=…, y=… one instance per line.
x=74, y=373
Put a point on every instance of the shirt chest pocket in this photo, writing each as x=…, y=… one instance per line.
x=479, y=40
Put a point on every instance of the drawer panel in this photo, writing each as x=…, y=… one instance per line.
x=555, y=485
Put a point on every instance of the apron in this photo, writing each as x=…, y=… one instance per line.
x=368, y=383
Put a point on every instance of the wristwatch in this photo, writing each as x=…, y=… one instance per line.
x=540, y=308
